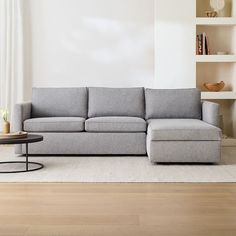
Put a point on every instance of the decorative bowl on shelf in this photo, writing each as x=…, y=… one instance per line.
x=211, y=13
x=214, y=87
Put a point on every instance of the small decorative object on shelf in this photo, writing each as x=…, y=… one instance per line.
x=211, y=13
x=217, y=5
x=222, y=53
x=214, y=87
x=202, y=44
x=6, y=124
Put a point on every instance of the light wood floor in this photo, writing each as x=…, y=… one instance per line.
x=117, y=209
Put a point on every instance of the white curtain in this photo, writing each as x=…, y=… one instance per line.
x=11, y=54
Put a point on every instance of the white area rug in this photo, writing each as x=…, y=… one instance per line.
x=119, y=169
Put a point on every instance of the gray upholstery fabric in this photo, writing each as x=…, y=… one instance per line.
x=182, y=129
x=22, y=111
x=210, y=113
x=85, y=143
x=59, y=102
x=54, y=124
x=59, y=117
x=173, y=103
x=116, y=102
x=115, y=124
x=184, y=151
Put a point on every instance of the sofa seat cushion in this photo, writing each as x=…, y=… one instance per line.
x=54, y=124
x=182, y=129
x=115, y=124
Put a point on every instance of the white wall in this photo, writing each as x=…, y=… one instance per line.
x=110, y=43
x=91, y=43
x=175, y=44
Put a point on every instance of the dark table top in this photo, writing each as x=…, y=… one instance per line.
x=32, y=138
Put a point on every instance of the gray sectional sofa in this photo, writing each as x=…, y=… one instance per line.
x=168, y=125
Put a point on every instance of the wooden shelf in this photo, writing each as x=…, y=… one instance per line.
x=215, y=58
x=216, y=21
x=219, y=95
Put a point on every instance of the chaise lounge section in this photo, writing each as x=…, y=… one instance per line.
x=181, y=128
x=168, y=125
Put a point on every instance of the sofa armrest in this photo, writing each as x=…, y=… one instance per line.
x=22, y=112
x=210, y=113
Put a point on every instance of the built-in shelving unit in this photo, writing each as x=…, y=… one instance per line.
x=220, y=65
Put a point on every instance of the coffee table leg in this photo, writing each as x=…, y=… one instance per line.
x=26, y=155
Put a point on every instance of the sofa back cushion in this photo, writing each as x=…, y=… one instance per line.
x=173, y=103
x=116, y=102
x=59, y=102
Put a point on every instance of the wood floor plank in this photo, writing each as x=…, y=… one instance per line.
x=66, y=209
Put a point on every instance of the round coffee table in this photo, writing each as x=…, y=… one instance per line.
x=31, y=138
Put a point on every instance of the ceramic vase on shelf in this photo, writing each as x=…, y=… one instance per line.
x=6, y=127
x=218, y=6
